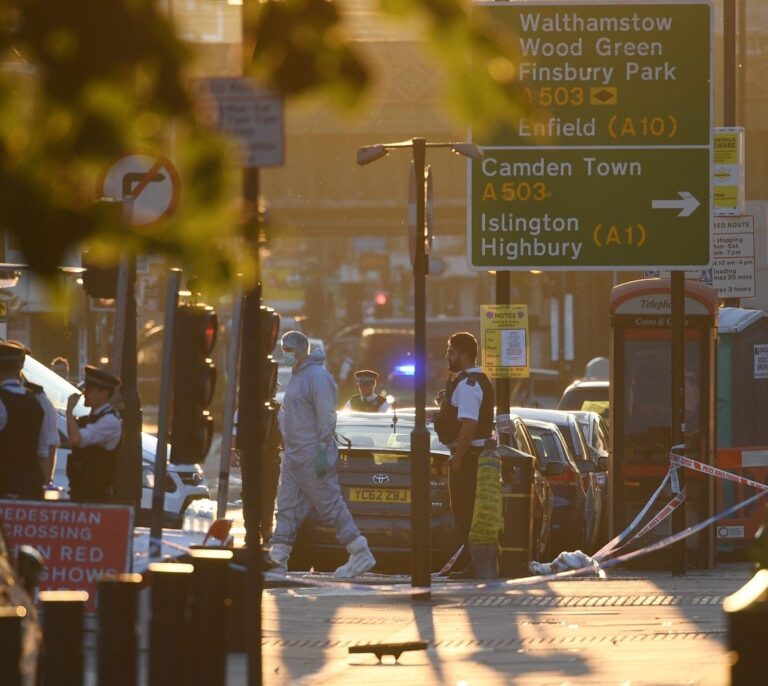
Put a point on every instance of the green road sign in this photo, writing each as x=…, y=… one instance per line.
x=609, y=165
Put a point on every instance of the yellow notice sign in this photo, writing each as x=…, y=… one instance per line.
x=504, y=332
x=728, y=171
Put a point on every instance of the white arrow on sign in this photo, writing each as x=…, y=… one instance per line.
x=687, y=204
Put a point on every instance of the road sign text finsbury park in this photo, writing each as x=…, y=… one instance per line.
x=608, y=165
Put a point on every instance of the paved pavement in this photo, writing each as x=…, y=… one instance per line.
x=632, y=628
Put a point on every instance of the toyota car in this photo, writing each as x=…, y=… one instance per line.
x=375, y=476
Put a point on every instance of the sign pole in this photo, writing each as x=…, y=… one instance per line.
x=250, y=437
x=229, y=401
x=128, y=471
x=420, y=459
x=678, y=404
x=503, y=281
x=161, y=455
x=729, y=82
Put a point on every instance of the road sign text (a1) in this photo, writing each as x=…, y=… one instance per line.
x=609, y=164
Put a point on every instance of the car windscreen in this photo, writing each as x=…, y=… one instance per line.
x=546, y=445
x=593, y=399
x=381, y=434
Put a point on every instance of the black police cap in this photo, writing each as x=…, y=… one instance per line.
x=366, y=375
x=12, y=351
x=100, y=378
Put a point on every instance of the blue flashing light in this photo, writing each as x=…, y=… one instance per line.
x=405, y=369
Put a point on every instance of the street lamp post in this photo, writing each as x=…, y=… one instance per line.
x=420, y=463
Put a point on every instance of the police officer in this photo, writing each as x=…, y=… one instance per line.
x=23, y=448
x=95, y=438
x=50, y=428
x=464, y=423
x=367, y=400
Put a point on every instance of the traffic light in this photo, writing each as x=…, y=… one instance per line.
x=382, y=305
x=269, y=329
x=98, y=281
x=194, y=382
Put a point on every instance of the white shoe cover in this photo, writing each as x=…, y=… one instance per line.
x=278, y=555
x=360, y=560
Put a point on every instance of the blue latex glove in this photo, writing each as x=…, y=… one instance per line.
x=321, y=460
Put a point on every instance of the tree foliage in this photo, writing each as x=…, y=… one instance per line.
x=83, y=82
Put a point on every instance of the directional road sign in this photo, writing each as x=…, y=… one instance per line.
x=609, y=166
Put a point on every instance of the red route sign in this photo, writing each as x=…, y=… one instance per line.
x=80, y=543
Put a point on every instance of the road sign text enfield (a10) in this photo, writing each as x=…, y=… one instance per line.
x=609, y=164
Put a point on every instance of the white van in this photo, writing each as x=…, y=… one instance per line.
x=183, y=484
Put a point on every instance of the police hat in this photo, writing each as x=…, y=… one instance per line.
x=12, y=351
x=100, y=378
x=366, y=375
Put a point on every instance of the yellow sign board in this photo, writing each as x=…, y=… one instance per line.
x=504, y=333
x=728, y=172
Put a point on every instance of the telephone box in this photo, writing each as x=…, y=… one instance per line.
x=640, y=405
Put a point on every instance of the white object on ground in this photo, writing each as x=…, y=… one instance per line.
x=562, y=563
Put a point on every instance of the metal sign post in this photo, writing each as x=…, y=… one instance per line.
x=229, y=402
x=161, y=455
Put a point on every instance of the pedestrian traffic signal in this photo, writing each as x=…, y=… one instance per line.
x=269, y=328
x=194, y=375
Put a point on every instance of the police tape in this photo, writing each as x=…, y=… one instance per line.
x=314, y=582
x=313, y=585
x=620, y=538
x=675, y=461
x=657, y=519
x=682, y=461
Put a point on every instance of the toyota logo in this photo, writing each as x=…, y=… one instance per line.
x=380, y=479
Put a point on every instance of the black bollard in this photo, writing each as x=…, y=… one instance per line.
x=517, y=539
x=747, y=612
x=61, y=660
x=236, y=609
x=11, y=627
x=209, y=616
x=169, y=635
x=118, y=629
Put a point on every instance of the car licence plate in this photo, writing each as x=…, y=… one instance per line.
x=379, y=495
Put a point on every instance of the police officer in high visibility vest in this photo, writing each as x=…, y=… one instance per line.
x=464, y=423
x=95, y=438
x=23, y=447
x=367, y=400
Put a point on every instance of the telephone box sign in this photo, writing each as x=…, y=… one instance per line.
x=608, y=165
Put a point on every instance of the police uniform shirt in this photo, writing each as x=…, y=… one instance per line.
x=467, y=398
x=50, y=420
x=104, y=432
x=14, y=386
x=369, y=399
